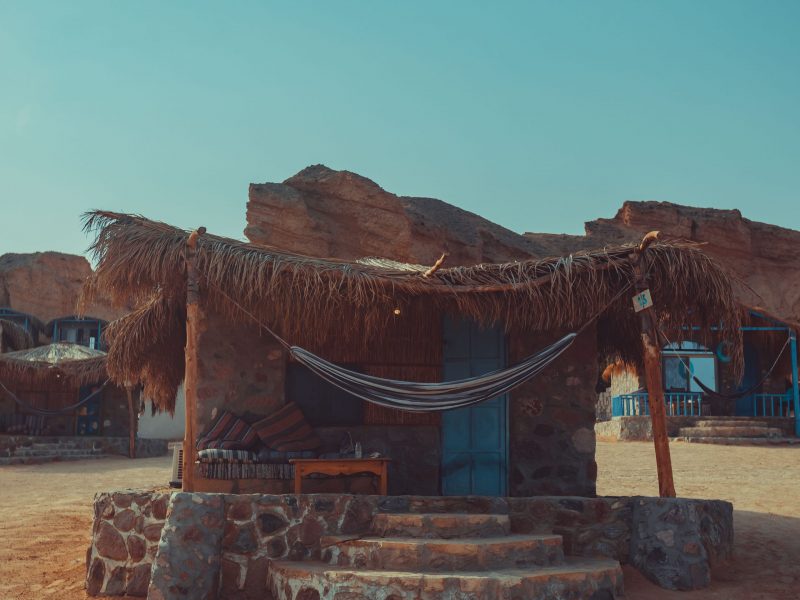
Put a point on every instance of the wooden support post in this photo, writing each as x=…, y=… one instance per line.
x=132, y=422
x=795, y=383
x=2, y=345
x=651, y=348
x=194, y=313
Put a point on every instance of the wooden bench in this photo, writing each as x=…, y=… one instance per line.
x=341, y=466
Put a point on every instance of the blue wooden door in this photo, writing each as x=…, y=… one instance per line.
x=474, y=449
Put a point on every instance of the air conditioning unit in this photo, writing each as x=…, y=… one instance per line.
x=177, y=464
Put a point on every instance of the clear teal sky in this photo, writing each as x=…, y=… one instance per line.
x=537, y=115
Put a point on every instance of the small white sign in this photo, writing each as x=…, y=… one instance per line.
x=642, y=301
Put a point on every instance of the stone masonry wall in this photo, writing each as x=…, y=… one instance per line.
x=125, y=532
x=551, y=421
x=238, y=368
x=16, y=445
x=674, y=542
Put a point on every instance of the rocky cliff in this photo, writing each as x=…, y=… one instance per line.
x=322, y=212
x=47, y=285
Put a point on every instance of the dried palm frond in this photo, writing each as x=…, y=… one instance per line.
x=15, y=336
x=316, y=301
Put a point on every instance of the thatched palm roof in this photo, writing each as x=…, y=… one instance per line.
x=311, y=300
x=34, y=325
x=14, y=336
x=68, y=364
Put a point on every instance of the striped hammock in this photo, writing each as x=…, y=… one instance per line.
x=427, y=397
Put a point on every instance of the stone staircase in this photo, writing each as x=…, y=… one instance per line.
x=42, y=452
x=441, y=556
x=747, y=431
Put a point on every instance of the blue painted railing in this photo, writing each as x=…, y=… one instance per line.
x=676, y=403
x=772, y=405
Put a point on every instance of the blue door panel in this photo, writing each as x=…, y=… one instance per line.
x=487, y=430
x=489, y=476
x=474, y=453
x=457, y=469
x=457, y=369
x=485, y=343
x=459, y=432
x=481, y=366
x=456, y=338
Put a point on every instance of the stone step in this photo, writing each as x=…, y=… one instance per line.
x=440, y=525
x=576, y=579
x=730, y=423
x=38, y=460
x=56, y=452
x=738, y=441
x=53, y=445
x=741, y=431
x=432, y=555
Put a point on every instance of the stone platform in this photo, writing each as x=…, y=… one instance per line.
x=235, y=546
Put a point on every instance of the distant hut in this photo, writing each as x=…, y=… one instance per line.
x=30, y=324
x=60, y=390
x=702, y=379
x=77, y=329
x=13, y=336
x=404, y=322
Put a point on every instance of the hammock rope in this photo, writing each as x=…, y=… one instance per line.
x=414, y=396
x=51, y=413
x=429, y=397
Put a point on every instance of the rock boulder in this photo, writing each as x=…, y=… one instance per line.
x=47, y=285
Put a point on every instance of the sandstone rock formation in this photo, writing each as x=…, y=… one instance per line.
x=322, y=212
x=47, y=285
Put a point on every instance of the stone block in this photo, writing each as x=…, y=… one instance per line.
x=668, y=539
x=124, y=520
x=139, y=580
x=159, y=506
x=188, y=560
x=115, y=586
x=109, y=543
x=136, y=548
x=95, y=577
x=270, y=523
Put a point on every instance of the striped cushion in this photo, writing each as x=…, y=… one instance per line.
x=228, y=432
x=287, y=430
x=217, y=455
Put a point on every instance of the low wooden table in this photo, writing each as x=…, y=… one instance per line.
x=341, y=466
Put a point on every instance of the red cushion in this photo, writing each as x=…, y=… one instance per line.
x=287, y=430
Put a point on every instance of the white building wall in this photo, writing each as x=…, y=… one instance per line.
x=164, y=426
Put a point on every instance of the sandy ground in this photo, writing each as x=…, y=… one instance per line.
x=43, y=544
x=46, y=516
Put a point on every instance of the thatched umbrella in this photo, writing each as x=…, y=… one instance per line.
x=68, y=365
x=14, y=337
x=62, y=362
